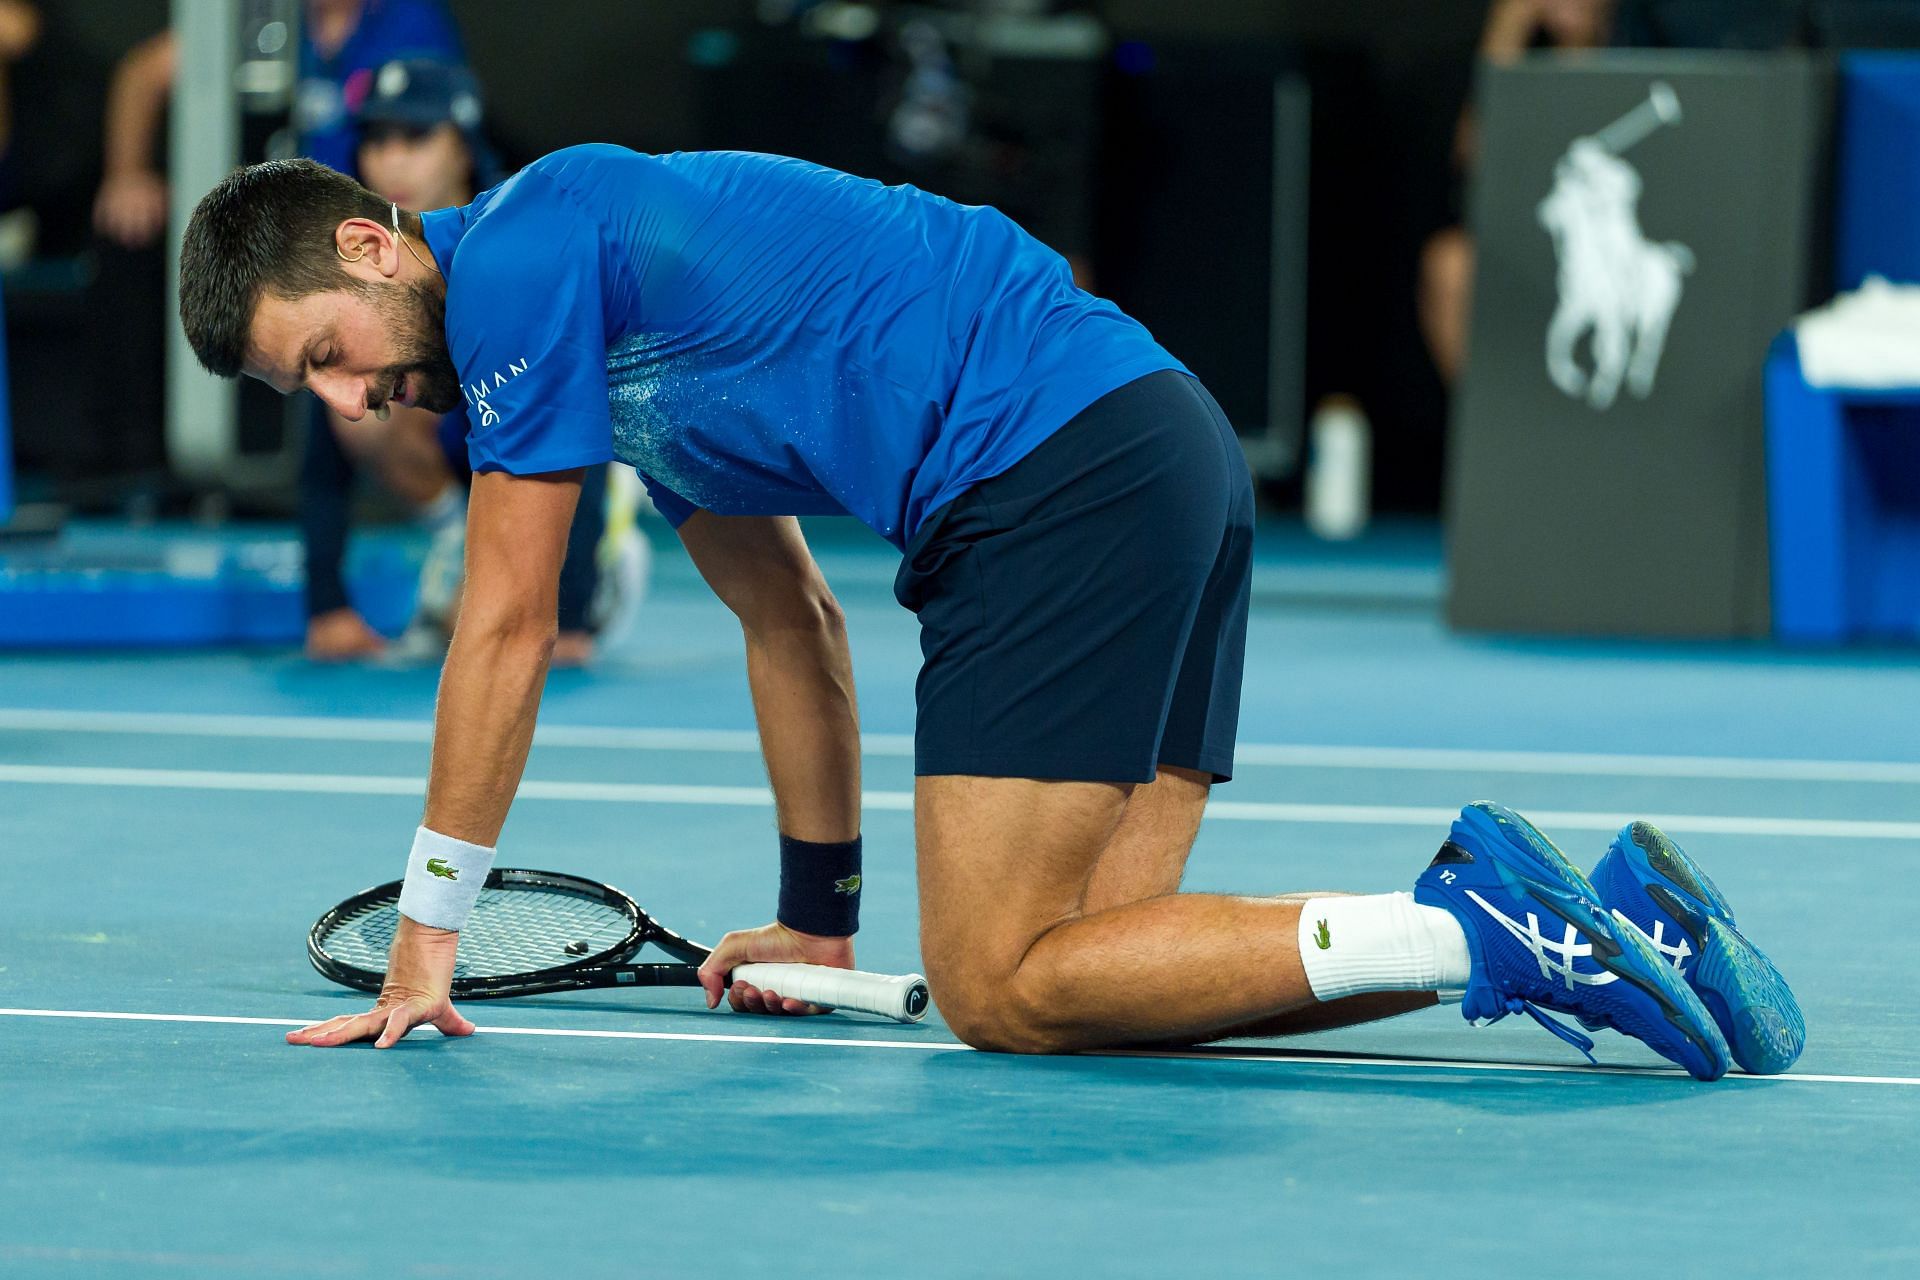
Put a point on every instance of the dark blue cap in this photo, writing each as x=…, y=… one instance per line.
x=424, y=93
x=420, y=93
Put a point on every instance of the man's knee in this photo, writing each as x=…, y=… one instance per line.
x=996, y=1012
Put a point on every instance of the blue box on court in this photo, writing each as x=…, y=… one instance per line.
x=1843, y=490
x=1843, y=466
x=108, y=587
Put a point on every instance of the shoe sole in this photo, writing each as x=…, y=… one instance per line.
x=1741, y=988
x=1621, y=951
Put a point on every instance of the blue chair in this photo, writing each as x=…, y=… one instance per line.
x=1843, y=501
x=1843, y=466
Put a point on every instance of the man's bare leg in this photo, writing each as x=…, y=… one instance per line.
x=1017, y=964
x=1147, y=857
x=1148, y=852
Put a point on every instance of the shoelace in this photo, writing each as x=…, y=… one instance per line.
x=1514, y=1004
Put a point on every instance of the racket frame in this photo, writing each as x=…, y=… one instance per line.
x=606, y=968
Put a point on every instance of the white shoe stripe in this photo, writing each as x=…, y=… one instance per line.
x=1555, y=958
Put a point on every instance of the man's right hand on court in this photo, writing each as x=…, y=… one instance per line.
x=419, y=980
x=769, y=944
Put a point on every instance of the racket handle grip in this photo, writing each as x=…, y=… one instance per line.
x=902, y=997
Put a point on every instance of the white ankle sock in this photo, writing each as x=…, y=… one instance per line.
x=1385, y=942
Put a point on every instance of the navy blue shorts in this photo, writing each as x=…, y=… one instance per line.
x=1084, y=615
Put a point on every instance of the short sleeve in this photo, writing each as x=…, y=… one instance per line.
x=526, y=330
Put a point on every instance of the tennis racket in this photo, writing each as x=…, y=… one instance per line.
x=537, y=932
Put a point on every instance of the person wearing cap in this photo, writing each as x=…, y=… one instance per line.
x=419, y=144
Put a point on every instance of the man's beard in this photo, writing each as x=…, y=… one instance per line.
x=417, y=316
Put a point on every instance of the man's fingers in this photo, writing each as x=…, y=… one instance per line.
x=714, y=982
x=713, y=975
x=385, y=1026
x=453, y=1023
x=750, y=999
x=344, y=1029
x=789, y=1006
x=307, y=1034
x=400, y=1020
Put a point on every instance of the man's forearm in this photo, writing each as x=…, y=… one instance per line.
x=483, y=726
x=803, y=699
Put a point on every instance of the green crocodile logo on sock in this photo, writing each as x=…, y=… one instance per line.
x=1321, y=938
x=850, y=885
x=439, y=867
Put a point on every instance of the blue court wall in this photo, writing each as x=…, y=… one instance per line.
x=1877, y=170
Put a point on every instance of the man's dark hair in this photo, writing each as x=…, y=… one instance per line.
x=267, y=228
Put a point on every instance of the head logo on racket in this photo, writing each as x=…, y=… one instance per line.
x=850, y=885
x=439, y=867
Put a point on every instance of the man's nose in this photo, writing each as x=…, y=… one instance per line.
x=345, y=396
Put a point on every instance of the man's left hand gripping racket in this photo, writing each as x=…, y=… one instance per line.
x=536, y=932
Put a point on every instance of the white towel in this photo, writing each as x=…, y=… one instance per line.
x=1865, y=340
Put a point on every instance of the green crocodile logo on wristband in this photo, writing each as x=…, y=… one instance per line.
x=1321, y=938
x=851, y=885
x=439, y=867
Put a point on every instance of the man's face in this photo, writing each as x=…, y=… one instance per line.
x=357, y=348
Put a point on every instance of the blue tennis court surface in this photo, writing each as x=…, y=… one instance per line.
x=171, y=825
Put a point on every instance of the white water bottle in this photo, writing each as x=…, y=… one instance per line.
x=1339, y=469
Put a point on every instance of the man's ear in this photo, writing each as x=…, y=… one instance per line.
x=368, y=249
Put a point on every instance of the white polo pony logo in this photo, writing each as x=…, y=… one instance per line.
x=1614, y=282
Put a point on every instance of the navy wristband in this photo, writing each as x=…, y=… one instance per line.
x=820, y=887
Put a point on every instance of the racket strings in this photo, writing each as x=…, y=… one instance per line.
x=511, y=931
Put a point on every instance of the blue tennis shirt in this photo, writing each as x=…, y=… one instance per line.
x=761, y=336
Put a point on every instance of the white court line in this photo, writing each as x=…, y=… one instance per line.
x=350, y=729
x=902, y=801
x=1276, y=1057
x=746, y=742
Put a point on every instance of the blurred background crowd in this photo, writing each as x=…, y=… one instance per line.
x=1279, y=190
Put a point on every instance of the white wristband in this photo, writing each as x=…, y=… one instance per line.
x=444, y=879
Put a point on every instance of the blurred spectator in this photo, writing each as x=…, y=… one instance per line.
x=131, y=207
x=1446, y=263
x=19, y=32
x=406, y=147
x=381, y=94
x=417, y=127
x=342, y=42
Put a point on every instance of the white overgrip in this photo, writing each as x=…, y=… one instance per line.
x=902, y=997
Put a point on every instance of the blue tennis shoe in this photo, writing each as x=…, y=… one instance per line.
x=1648, y=881
x=1539, y=939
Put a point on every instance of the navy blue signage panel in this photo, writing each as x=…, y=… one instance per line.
x=1646, y=223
